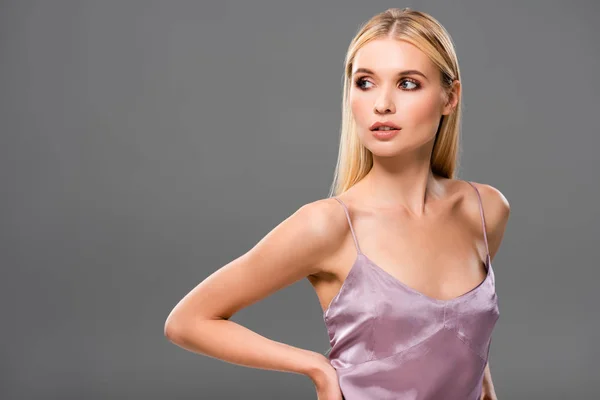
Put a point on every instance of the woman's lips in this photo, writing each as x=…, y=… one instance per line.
x=387, y=134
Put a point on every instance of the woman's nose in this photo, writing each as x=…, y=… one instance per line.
x=384, y=104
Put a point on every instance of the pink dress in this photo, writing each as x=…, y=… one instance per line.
x=391, y=342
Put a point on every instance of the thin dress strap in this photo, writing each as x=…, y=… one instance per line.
x=482, y=220
x=349, y=223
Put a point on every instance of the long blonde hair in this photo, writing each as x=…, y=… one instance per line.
x=425, y=32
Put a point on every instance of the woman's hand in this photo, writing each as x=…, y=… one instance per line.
x=326, y=380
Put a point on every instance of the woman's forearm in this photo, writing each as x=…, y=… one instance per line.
x=231, y=342
x=488, y=385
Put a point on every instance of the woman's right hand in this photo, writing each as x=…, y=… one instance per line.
x=326, y=381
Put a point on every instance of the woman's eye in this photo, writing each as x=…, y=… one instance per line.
x=359, y=83
x=410, y=81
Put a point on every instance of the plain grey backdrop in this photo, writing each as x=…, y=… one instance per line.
x=144, y=144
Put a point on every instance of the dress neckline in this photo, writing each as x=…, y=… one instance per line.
x=487, y=263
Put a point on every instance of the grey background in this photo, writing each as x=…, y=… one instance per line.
x=144, y=144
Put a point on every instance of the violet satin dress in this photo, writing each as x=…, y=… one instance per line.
x=391, y=342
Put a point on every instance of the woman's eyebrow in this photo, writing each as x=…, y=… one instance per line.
x=405, y=72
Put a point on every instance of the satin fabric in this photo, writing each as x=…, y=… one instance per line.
x=391, y=342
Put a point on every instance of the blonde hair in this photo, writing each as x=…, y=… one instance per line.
x=425, y=32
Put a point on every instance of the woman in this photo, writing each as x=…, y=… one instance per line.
x=399, y=256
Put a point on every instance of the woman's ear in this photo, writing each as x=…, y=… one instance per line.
x=452, y=98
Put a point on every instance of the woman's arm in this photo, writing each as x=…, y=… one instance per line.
x=488, y=392
x=290, y=252
x=497, y=212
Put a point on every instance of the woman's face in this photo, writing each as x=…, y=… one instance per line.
x=384, y=90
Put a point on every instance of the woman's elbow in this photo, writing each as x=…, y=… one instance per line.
x=175, y=327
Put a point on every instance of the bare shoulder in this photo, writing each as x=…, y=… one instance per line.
x=496, y=210
x=328, y=228
x=323, y=220
x=495, y=205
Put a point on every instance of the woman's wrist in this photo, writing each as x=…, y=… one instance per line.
x=317, y=367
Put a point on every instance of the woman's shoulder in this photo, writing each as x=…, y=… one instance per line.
x=324, y=222
x=325, y=219
x=495, y=207
x=494, y=202
x=325, y=216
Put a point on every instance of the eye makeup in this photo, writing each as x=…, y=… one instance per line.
x=361, y=80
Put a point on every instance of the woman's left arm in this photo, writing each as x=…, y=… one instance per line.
x=488, y=392
x=497, y=212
